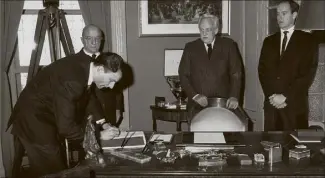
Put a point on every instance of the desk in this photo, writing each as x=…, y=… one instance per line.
x=170, y=115
x=188, y=167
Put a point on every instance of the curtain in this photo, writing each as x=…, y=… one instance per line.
x=98, y=13
x=10, y=17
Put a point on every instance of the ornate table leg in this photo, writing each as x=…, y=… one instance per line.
x=154, y=124
x=178, y=126
x=188, y=126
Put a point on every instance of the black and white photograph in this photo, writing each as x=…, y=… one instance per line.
x=162, y=88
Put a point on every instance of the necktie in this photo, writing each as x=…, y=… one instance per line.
x=209, y=50
x=284, y=42
x=93, y=58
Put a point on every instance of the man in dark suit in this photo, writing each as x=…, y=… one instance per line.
x=286, y=70
x=54, y=103
x=210, y=67
x=111, y=99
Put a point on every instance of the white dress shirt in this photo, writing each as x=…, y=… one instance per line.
x=289, y=34
x=90, y=77
x=206, y=45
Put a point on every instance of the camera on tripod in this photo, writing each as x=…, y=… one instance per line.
x=50, y=20
x=48, y=3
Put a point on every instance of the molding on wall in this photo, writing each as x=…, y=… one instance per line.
x=118, y=22
x=262, y=32
x=256, y=29
x=2, y=169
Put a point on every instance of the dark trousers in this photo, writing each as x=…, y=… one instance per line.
x=279, y=120
x=193, y=110
x=44, y=159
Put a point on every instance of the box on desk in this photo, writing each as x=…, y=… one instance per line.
x=131, y=139
x=299, y=153
x=131, y=154
x=272, y=151
x=244, y=159
x=212, y=161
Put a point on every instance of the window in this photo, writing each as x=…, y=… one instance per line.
x=26, y=42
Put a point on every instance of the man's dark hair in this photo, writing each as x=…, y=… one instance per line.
x=294, y=6
x=110, y=62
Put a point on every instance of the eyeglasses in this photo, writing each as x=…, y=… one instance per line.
x=207, y=30
x=96, y=39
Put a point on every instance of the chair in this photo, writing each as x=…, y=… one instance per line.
x=73, y=152
x=19, y=151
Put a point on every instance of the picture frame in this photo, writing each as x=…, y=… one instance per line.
x=172, y=59
x=152, y=22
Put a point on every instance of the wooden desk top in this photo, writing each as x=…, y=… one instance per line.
x=188, y=166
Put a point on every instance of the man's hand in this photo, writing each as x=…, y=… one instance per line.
x=201, y=100
x=116, y=76
x=109, y=132
x=232, y=103
x=281, y=106
x=278, y=101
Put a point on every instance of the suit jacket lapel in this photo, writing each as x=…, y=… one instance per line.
x=291, y=43
x=217, y=48
x=277, y=44
x=85, y=63
x=202, y=49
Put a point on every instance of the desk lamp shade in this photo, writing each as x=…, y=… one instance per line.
x=216, y=118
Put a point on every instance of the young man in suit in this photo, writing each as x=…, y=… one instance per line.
x=53, y=106
x=286, y=70
x=210, y=67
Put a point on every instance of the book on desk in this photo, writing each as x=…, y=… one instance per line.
x=308, y=136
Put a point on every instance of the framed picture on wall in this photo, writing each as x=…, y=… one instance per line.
x=180, y=17
x=172, y=60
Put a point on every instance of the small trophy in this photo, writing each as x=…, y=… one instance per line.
x=172, y=61
x=175, y=87
x=91, y=144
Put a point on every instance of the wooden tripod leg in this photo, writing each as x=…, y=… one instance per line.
x=39, y=40
x=53, y=35
x=51, y=42
x=65, y=35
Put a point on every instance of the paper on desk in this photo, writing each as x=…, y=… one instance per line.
x=209, y=137
x=198, y=149
x=124, y=134
x=131, y=139
x=163, y=137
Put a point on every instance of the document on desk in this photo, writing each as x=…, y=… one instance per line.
x=209, y=137
x=127, y=139
x=163, y=137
